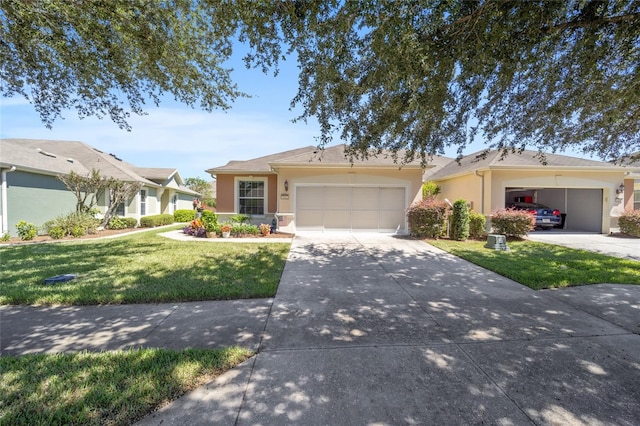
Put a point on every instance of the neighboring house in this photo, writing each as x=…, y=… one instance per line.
x=589, y=192
x=633, y=200
x=31, y=191
x=311, y=189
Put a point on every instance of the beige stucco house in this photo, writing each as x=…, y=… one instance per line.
x=590, y=193
x=309, y=189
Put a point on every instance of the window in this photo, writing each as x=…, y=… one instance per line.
x=143, y=202
x=251, y=197
x=174, y=203
x=120, y=210
x=636, y=200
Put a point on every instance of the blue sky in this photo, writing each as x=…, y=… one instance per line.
x=176, y=136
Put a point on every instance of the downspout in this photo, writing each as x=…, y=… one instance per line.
x=481, y=176
x=5, y=208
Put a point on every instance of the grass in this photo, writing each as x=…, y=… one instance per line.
x=139, y=268
x=115, y=388
x=539, y=265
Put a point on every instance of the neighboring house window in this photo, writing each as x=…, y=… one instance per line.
x=143, y=202
x=120, y=210
x=251, y=197
x=174, y=203
x=636, y=200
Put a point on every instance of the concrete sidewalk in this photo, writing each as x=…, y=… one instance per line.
x=383, y=330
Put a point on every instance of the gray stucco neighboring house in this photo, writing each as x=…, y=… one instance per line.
x=31, y=191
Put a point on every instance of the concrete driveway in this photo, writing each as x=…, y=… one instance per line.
x=616, y=245
x=379, y=330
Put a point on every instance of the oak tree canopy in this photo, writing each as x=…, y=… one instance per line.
x=410, y=76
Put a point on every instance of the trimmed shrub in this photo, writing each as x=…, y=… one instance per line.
x=26, y=231
x=68, y=223
x=460, y=220
x=183, y=215
x=156, y=220
x=57, y=232
x=477, y=225
x=77, y=231
x=512, y=222
x=122, y=222
x=427, y=218
x=629, y=223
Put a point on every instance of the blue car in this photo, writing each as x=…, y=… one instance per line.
x=546, y=217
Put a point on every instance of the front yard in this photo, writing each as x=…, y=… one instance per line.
x=539, y=265
x=140, y=268
x=121, y=387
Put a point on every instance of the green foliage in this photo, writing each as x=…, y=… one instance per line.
x=401, y=75
x=64, y=55
x=57, y=232
x=156, y=220
x=106, y=388
x=77, y=231
x=629, y=223
x=460, y=220
x=184, y=215
x=427, y=218
x=209, y=216
x=477, y=225
x=512, y=222
x=70, y=222
x=240, y=218
x=5, y=237
x=430, y=189
x=116, y=223
x=26, y=231
x=240, y=229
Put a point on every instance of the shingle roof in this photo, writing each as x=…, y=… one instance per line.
x=90, y=158
x=485, y=160
x=314, y=157
x=155, y=173
x=13, y=153
x=260, y=164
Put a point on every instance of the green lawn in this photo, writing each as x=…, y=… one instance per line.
x=139, y=268
x=115, y=388
x=539, y=265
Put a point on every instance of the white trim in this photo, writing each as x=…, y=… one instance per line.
x=236, y=195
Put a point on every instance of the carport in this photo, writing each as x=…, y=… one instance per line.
x=582, y=206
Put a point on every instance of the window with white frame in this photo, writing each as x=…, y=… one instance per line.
x=120, y=210
x=174, y=203
x=143, y=202
x=251, y=197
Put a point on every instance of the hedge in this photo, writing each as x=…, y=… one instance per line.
x=629, y=223
x=477, y=225
x=460, y=220
x=156, y=220
x=184, y=215
x=512, y=222
x=427, y=218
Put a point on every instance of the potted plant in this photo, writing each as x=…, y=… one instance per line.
x=265, y=229
x=225, y=229
x=211, y=228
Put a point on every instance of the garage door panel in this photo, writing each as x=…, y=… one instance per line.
x=337, y=198
x=365, y=198
x=337, y=219
x=364, y=219
x=310, y=198
x=391, y=221
x=392, y=197
x=350, y=208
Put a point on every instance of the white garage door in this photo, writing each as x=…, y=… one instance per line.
x=355, y=208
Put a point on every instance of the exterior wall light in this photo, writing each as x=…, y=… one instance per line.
x=286, y=185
